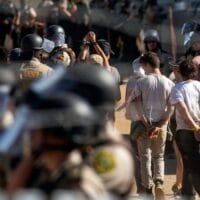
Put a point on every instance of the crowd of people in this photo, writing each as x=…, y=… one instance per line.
x=58, y=105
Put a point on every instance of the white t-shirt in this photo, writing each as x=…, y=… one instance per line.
x=131, y=112
x=189, y=93
x=155, y=90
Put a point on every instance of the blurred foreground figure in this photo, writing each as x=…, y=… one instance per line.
x=54, y=127
x=7, y=82
x=105, y=151
x=152, y=93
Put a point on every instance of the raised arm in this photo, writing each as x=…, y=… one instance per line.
x=91, y=36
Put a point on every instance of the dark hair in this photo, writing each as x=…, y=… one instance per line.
x=187, y=69
x=150, y=58
x=193, y=50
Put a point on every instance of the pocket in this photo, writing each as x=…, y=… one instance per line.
x=197, y=136
x=137, y=130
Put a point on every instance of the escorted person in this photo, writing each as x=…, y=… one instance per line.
x=153, y=92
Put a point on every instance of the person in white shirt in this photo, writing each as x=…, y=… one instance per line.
x=185, y=97
x=153, y=92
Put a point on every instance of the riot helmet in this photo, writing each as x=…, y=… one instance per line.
x=91, y=82
x=63, y=116
x=31, y=42
x=151, y=35
x=56, y=34
x=66, y=115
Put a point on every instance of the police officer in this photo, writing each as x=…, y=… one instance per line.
x=152, y=43
x=61, y=54
x=98, y=87
x=56, y=127
x=31, y=56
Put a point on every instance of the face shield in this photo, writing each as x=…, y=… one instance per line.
x=189, y=29
x=58, y=39
x=48, y=45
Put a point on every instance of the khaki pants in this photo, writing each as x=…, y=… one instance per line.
x=152, y=151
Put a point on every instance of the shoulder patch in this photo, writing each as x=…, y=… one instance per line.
x=104, y=161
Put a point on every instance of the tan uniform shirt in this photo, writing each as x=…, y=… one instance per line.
x=31, y=71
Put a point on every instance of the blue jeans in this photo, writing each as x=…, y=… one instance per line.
x=190, y=152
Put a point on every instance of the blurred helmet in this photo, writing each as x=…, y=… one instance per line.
x=94, y=84
x=31, y=42
x=151, y=35
x=91, y=82
x=56, y=34
x=65, y=115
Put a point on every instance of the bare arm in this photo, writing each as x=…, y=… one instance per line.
x=92, y=38
x=83, y=55
x=140, y=112
x=182, y=108
x=127, y=96
x=18, y=179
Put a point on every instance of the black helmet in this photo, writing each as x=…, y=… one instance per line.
x=151, y=35
x=31, y=42
x=67, y=117
x=56, y=34
x=53, y=30
x=92, y=83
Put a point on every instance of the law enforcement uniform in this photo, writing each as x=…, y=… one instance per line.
x=71, y=176
x=31, y=71
x=114, y=164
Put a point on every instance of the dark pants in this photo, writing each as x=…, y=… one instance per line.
x=190, y=152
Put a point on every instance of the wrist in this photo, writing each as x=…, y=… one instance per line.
x=196, y=128
x=94, y=43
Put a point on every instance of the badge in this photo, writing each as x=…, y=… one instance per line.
x=104, y=162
